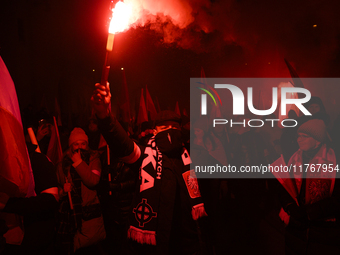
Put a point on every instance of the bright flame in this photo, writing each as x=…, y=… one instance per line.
x=120, y=18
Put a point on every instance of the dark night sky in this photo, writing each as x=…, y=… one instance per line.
x=51, y=47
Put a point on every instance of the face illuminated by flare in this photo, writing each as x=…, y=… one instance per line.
x=306, y=142
x=80, y=144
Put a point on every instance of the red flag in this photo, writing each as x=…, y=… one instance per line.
x=125, y=101
x=185, y=113
x=150, y=107
x=296, y=79
x=57, y=112
x=15, y=173
x=52, y=150
x=203, y=77
x=177, y=109
x=102, y=142
x=142, y=113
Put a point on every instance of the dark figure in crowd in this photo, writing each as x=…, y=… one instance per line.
x=78, y=175
x=168, y=202
x=311, y=199
x=214, y=229
x=3, y=230
x=115, y=197
x=44, y=133
x=39, y=212
x=248, y=194
x=288, y=140
x=93, y=134
x=315, y=105
x=335, y=135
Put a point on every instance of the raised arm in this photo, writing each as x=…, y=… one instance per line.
x=120, y=143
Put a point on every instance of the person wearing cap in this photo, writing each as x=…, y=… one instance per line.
x=311, y=208
x=80, y=219
x=168, y=200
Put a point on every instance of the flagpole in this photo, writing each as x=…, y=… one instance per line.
x=33, y=139
x=108, y=164
x=60, y=152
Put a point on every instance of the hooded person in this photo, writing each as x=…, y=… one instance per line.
x=316, y=106
x=205, y=138
x=78, y=175
x=168, y=200
x=311, y=207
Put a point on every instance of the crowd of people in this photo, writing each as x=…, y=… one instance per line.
x=118, y=190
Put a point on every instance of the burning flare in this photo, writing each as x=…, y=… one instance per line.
x=120, y=20
x=155, y=12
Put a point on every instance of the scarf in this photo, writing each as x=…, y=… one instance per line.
x=150, y=211
x=319, y=183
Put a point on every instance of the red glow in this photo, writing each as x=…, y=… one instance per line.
x=120, y=20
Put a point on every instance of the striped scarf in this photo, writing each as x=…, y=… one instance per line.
x=319, y=181
x=149, y=202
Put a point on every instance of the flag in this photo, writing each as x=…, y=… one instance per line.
x=206, y=86
x=142, y=113
x=185, y=113
x=16, y=177
x=150, y=107
x=124, y=101
x=57, y=112
x=52, y=150
x=177, y=109
x=296, y=79
x=102, y=142
x=203, y=77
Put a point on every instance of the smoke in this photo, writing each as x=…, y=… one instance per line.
x=305, y=32
x=152, y=11
x=179, y=22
